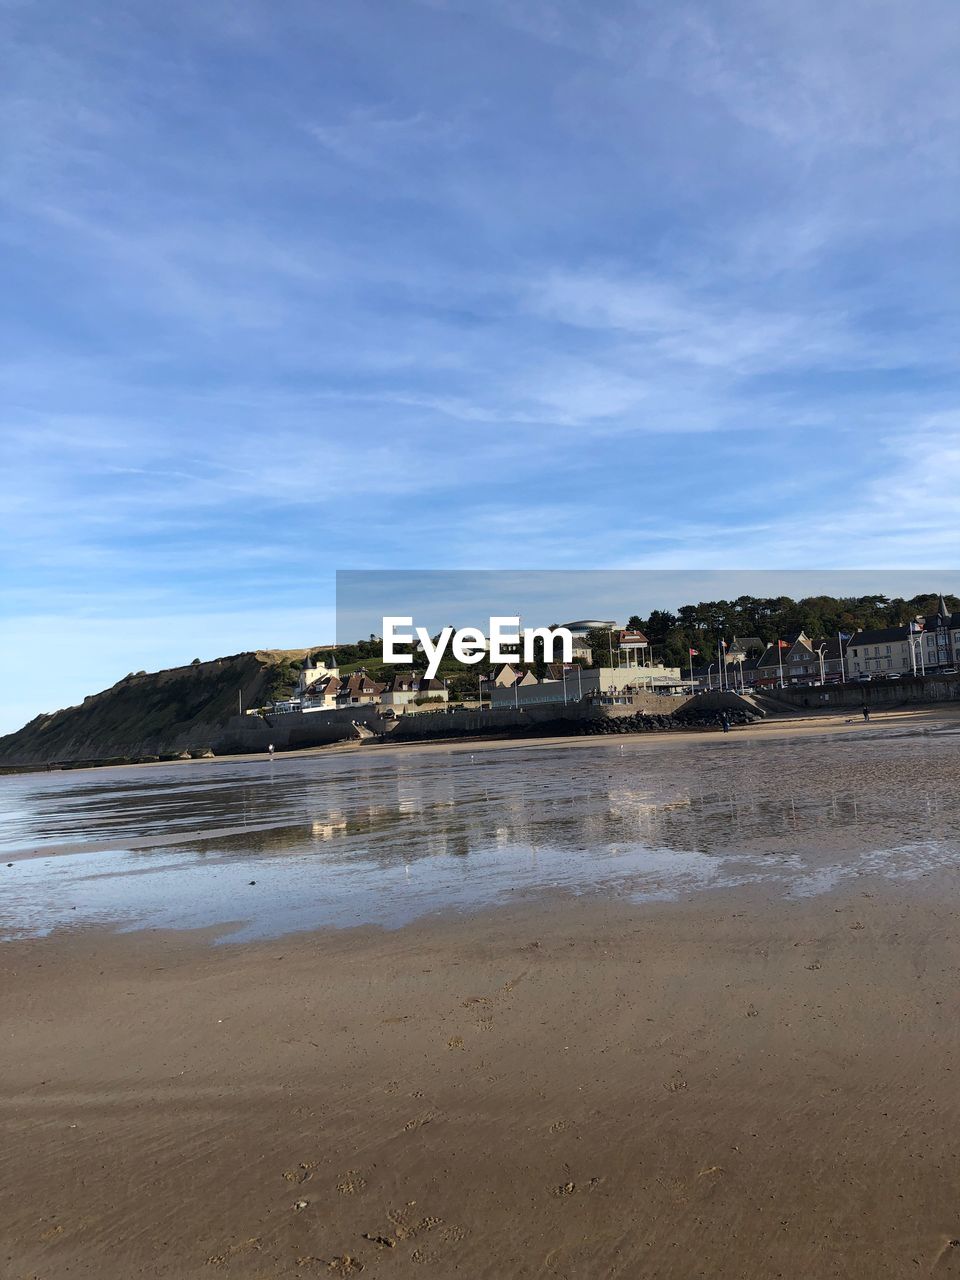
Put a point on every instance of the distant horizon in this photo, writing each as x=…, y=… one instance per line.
x=419, y=589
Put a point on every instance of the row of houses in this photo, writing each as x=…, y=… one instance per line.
x=925, y=645
x=324, y=689
x=752, y=664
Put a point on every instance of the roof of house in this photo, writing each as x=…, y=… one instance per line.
x=772, y=656
x=746, y=643
x=520, y=676
x=882, y=635
x=831, y=649
x=361, y=684
x=319, y=688
x=430, y=686
x=403, y=682
x=943, y=617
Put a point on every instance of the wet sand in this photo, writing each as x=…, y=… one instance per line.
x=709, y=1029
x=734, y=1087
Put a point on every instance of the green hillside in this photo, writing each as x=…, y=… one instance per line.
x=152, y=714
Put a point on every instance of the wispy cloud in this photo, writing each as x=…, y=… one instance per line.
x=371, y=137
x=467, y=280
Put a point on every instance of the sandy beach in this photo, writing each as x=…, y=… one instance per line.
x=743, y=1089
x=648, y=1076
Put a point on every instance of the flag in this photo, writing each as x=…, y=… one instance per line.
x=784, y=644
x=723, y=643
x=844, y=635
x=694, y=653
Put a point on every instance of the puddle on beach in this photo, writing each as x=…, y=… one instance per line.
x=386, y=838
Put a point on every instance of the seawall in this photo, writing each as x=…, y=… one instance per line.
x=876, y=693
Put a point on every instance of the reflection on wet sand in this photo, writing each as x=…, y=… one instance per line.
x=382, y=839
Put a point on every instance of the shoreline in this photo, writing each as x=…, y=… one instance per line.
x=803, y=723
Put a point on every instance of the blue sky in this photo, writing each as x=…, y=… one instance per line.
x=459, y=283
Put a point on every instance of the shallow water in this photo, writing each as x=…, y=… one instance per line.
x=385, y=838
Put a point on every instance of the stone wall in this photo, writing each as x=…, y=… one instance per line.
x=294, y=730
x=876, y=693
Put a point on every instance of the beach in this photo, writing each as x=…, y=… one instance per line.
x=699, y=1020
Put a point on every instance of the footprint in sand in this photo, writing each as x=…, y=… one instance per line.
x=418, y=1122
x=947, y=1261
x=405, y=1227
x=351, y=1183
x=345, y=1265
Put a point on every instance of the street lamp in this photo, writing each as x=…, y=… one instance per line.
x=819, y=652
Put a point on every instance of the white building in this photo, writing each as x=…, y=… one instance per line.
x=310, y=673
x=924, y=646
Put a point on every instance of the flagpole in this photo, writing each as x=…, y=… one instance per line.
x=780, y=659
x=691, y=672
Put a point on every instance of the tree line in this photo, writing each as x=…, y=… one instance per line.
x=701, y=626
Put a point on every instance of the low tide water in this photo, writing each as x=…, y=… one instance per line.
x=387, y=837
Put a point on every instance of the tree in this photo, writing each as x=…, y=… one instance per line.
x=600, y=642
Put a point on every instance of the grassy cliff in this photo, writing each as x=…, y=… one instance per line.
x=153, y=714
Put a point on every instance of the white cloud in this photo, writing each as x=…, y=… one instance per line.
x=369, y=136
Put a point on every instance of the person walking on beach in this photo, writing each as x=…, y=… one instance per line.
x=270, y=750
x=725, y=721
x=866, y=713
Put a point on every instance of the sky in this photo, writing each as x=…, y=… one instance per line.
x=437, y=598
x=396, y=284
